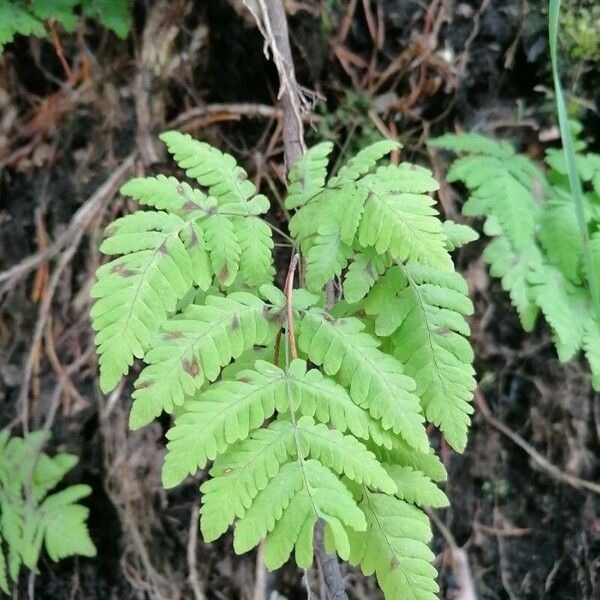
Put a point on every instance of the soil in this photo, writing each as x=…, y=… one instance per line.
x=460, y=65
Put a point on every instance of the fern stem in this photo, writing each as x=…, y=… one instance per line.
x=288, y=291
x=567, y=140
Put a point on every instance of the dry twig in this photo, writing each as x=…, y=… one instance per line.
x=544, y=464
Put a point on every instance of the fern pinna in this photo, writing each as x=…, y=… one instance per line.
x=537, y=249
x=334, y=431
x=31, y=516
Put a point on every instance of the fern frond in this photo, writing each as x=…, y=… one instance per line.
x=394, y=547
x=256, y=250
x=457, y=234
x=375, y=380
x=215, y=170
x=288, y=508
x=29, y=517
x=343, y=454
x=415, y=487
x=591, y=346
x=361, y=163
x=327, y=257
x=194, y=347
x=223, y=414
x=363, y=272
x=307, y=175
x=564, y=307
x=422, y=309
x=61, y=523
x=560, y=238
x=223, y=247
x=327, y=402
x=401, y=454
x=513, y=270
x=473, y=143
x=240, y=473
x=135, y=293
x=405, y=224
x=171, y=195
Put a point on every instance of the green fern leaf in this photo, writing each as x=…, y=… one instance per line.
x=473, y=143
x=457, y=234
x=307, y=176
x=326, y=258
x=3, y=570
x=194, y=347
x=415, y=487
x=16, y=19
x=113, y=14
x=171, y=195
x=223, y=414
x=135, y=293
x=64, y=524
x=215, y=170
x=223, y=247
x=394, y=547
x=62, y=11
x=240, y=473
x=320, y=397
x=564, y=307
x=422, y=309
x=375, y=380
x=405, y=224
x=363, y=272
x=560, y=238
x=343, y=454
x=363, y=162
x=591, y=346
x=514, y=270
x=401, y=454
x=287, y=509
x=256, y=250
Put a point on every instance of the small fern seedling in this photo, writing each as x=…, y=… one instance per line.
x=537, y=250
x=29, y=515
x=333, y=429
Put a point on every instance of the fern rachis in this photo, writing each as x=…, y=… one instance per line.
x=288, y=442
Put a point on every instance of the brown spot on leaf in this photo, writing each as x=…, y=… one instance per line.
x=123, y=271
x=224, y=274
x=140, y=385
x=394, y=564
x=369, y=270
x=442, y=330
x=189, y=206
x=244, y=379
x=235, y=323
x=172, y=335
x=191, y=366
x=273, y=315
x=110, y=231
x=193, y=238
x=180, y=190
x=163, y=247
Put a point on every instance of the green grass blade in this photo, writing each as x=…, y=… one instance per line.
x=567, y=140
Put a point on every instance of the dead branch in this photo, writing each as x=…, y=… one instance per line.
x=77, y=229
x=544, y=464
